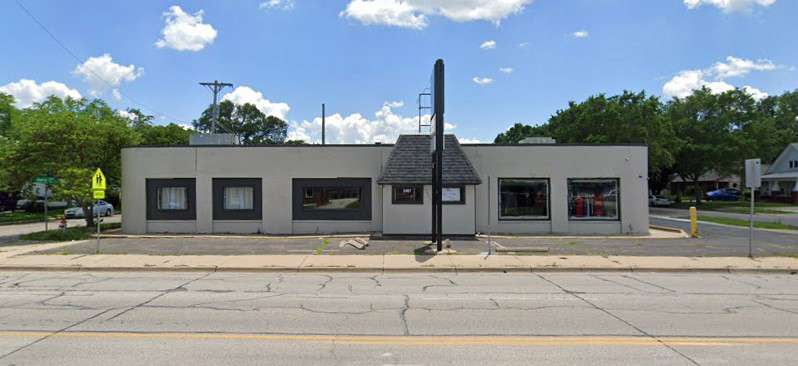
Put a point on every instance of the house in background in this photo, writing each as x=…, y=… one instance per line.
x=708, y=182
x=780, y=181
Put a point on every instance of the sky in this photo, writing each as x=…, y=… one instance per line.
x=507, y=61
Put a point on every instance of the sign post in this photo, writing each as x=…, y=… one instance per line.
x=98, y=187
x=753, y=180
x=46, y=179
x=437, y=153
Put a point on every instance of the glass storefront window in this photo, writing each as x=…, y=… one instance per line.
x=593, y=199
x=332, y=198
x=408, y=194
x=523, y=199
x=238, y=198
x=172, y=198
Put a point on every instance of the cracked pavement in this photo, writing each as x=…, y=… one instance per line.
x=246, y=318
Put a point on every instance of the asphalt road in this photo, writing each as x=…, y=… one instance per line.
x=418, y=319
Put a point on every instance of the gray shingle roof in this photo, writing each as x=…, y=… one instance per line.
x=410, y=162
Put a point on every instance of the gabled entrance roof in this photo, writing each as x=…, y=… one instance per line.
x=410, y=162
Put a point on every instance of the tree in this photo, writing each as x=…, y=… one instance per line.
x=519, y=131
x=711, y=127
x=245, y=121
x=626, y=118
x=170, y=134
x=68, y=139
x=777, y=126
x=7, y=112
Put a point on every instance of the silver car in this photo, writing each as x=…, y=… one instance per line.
x=101, y=207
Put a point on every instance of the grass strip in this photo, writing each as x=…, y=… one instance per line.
x=742, y=223
x=26, y=217
x=70, y=234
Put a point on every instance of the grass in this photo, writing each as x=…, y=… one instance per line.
x=26, y=217
x=70, y=234
x=743, y=223
x=324, y=243
x=738, y=206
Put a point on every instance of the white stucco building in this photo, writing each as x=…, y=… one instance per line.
x=385, y=189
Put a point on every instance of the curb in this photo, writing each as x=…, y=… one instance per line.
x=455, y=270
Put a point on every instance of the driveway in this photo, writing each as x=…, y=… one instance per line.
x=786, y=219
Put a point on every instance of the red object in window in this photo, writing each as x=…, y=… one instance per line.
x=598, y=205
x=579, y=206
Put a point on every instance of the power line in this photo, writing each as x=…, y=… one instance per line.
x=92, y=71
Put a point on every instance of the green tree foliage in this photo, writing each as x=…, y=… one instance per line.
x=626, y=118
x=7, y=112
x=245, y=121
x=715, y=130
x=170, y=134
x=68, y=139
x=519, y=131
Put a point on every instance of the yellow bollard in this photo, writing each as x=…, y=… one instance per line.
x=693, y=222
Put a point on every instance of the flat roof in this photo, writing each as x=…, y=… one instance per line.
x=382, y=145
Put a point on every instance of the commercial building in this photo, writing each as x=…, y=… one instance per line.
x=385, y=188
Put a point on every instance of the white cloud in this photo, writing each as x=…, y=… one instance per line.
x=286, y=5
x=524, y=44
x=245, y=94
x=385, y=127
x=186, y=127
x=102, y=72
x=26, y=92
x=755, y=93
x=413, y=13
x=125, y=114
x=488, y=45
x=506, y=70
x=580, y=34
x=468, y=141
x=686, y=81
x=387, y=12
x=185, y=32
x=482, y=81
x=397, y=104
x=729, y=6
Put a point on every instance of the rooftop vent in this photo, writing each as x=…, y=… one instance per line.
x=214, y=139
x=538, y=140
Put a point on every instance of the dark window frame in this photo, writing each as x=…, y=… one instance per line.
x=154, y=214
x=462, y=200
x=593, y=218
x=548, y=200
x=299, y=213
x=419, y=201
x=220, y=213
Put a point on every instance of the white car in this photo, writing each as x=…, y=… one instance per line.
x=104, y=208
x=658, y=201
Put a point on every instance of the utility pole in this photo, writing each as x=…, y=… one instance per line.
x=215, y=87
x=323, y=114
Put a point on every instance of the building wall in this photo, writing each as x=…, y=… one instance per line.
x=277, y=166
x=398, y=219
x=559, y=163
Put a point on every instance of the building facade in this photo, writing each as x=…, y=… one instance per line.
x=385, y=189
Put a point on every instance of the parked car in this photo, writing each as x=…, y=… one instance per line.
x=658, y=201
x=724, y=194
x=104, y=208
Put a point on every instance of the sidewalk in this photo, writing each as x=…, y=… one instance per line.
x=15, y=259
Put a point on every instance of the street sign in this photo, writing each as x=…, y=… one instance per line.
x=98, y=180
x=47, y=179
x=753, y=173
x=99, y=194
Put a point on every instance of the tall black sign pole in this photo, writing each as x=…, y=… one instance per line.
x=439, y=111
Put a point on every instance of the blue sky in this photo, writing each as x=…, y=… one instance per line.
x=368, y=60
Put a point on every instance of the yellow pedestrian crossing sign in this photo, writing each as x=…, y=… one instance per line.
x=98, y=181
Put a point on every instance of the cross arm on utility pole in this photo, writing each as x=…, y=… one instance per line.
x=215, y=87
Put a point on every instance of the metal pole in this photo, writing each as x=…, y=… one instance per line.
x=751, y=228
x=46, y=217
x=323, y=115
x=97, y=250
x=434, y=203
x=439, y=136
x=215, y=106
x=490, y=244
